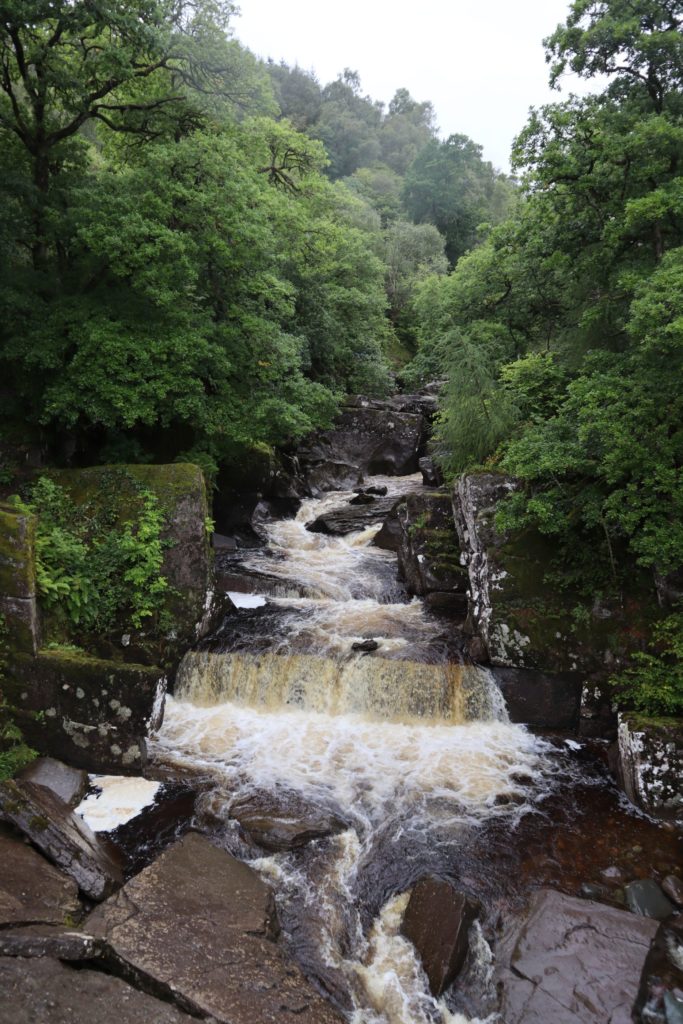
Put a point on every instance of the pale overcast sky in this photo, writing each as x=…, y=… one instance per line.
x=481, y=64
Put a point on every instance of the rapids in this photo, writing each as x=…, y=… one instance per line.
x=411, y=750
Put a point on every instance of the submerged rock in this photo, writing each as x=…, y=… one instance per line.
x=365, y=645
x=32, y=890
x=61, y=836
x=575, y=962
x=46, y=992
x=646, y=897
x=198, y=924
x=437, y=921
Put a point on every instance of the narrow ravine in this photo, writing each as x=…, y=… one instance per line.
x=410, y=753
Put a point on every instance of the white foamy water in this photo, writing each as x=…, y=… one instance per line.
x=411, y=756
x=246, y=600
x=118, y=800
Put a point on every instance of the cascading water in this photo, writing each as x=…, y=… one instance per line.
x=410, y=752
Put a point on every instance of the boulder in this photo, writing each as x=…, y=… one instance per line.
x=651, y=763
x=69, y=784
x=40, y=940
x=645, y=897
x=539, y=699
x=285, y=823
x=198, y=924
x=431, y=474
x=352, y=517
x=31, y=890
x=92, y=713
x=18, y=601
x=429, y=559
x=46, y=992
x=437, y=921
x=389, y=537
x=575, y=962
x=62, y=836
x=370, y=436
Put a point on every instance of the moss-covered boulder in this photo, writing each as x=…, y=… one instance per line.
x=429, y=557
x=91, y=713
x=187, y=563
x=524, y=620
x=651, y=763
x=18, y=606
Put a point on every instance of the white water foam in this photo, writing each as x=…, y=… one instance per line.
x=118, y=799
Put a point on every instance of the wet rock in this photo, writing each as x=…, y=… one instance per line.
x=673, y=887
x=46, y=940
x=61, y=836
x=661, y=985
x=575, y=962
x=380, y=492
x=524, y=620
x=540, y=699
x=196, y=923
x=429, y=552
x=219, y=542
x=437, y=922
x=31, y=890
x=284, y=823
x=389, y=537
x=94, y=714
x=594, y=891
x=46, y=992
x=645, y=897
x=651, y=763
x=370, y=436
x=673, y=1008
x=613, y=875
x=69, y=784
x=365, y=645
x=363, y=499
x=431, y=474
x=352, y=517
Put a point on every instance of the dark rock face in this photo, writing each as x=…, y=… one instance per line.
x=94, y=714
x=436, y=921
x=197, y=923
x=431, y=474
x=651, y=763
x=69, y=784
x=575, y=962
x=31, y=889
x=369, y=437
x=285, y=824
x=62, y=836
x=429, y=560
x=540, y=700
x=356, y=516
x=18, y=601
x=389, y=537
x=47, y=992
x=646, y=897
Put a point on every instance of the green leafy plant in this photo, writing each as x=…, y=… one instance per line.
x=653, y=683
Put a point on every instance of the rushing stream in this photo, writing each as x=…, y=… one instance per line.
x=409, y=753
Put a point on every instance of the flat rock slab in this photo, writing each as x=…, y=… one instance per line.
x=62, y=836
x=196, y=924
x=70, y=784
x=47, y=992
x=31, y=890
x=437, y=922
x=576, y=962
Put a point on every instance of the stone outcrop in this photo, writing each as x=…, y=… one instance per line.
x=429, y=559
x=18, y=601
x=200, y=926
x=651, y=763
x=540, y=700
x=370, y=436
x=437, y=921
x=47, y=992
x=187, y=565
x=31, y=890
x=62, y=836
x=92, y=713
x=575, y=962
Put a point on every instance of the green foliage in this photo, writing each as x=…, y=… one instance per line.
x=99, y=571
x=653, y=682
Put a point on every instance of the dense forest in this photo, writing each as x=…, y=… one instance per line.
x=203, y=252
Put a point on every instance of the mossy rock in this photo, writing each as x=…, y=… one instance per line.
x=17, y=553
